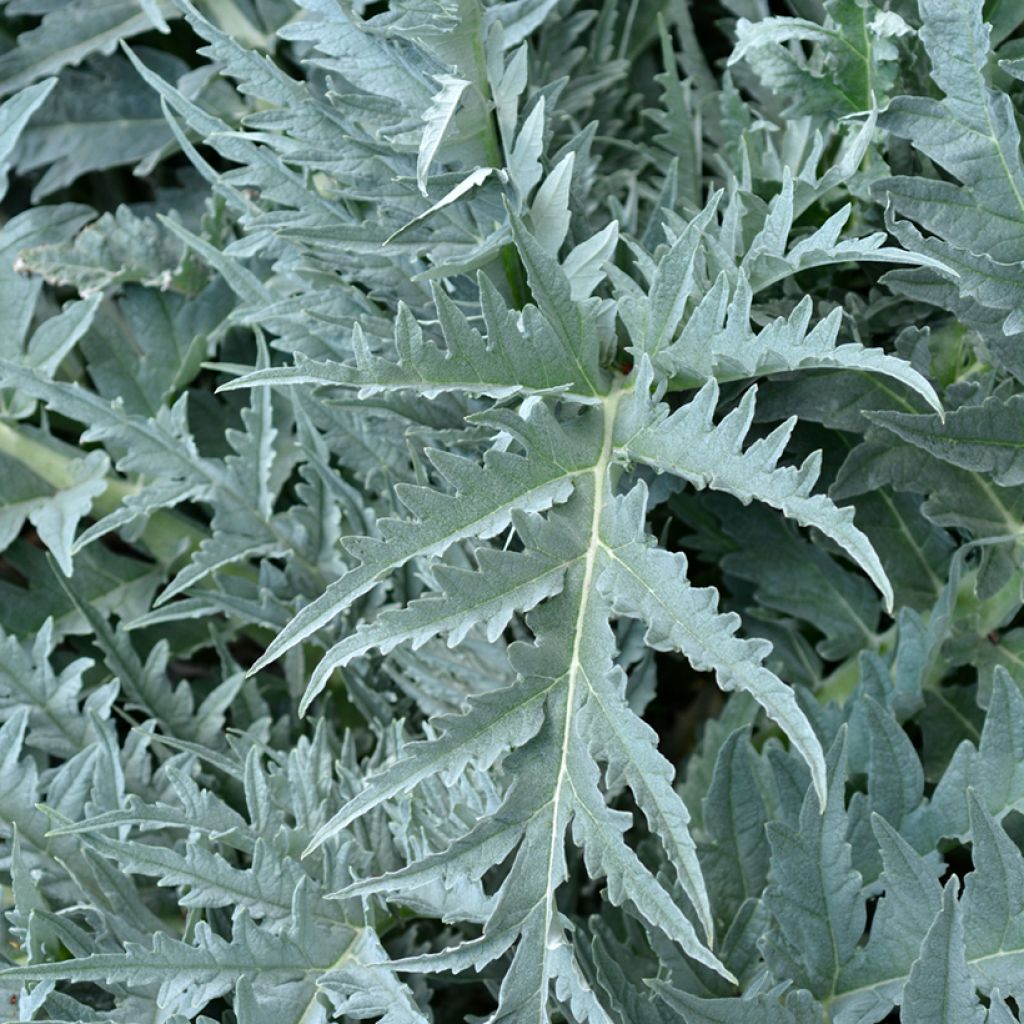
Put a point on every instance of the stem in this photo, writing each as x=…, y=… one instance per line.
x=843, y=680
x=169, y=536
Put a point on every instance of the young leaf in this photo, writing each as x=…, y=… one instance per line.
x=939, y=987
x=815, y=895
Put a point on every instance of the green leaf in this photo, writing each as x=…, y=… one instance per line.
x=991, y=769
x=56, y=518
x=736, y=858
x=897, y=781
x=758, y=1009
x=149, y=345
x=857, y=50
x=163, y=438
x=97, y=118
x=576, y=325
x=560, y=691
x=842, y=606
x=652, y=323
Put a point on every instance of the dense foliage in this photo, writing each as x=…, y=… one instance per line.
x=512, y=511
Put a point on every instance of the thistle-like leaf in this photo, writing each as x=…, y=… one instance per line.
x=509, y=361
x=690, y=445
x=971, y=132
x=482, y=505
x=939, y=987
x=815, y=895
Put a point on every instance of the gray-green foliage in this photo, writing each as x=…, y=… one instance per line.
x=511, y=511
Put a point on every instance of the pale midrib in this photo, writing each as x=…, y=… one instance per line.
x=347, y=954
x=464, y=532
x=594, y=547
x=445, y=622
x=91, y=972
x=989, y=491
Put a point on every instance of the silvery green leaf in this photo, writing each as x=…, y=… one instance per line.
x=549, y=211
x=524, y=168
x=856, y=41
x=520, y=360
x=503, y=584
x=464, y=588
x=983, y=438
x=669, y=443
x=54, y=509
x=520, y=17
x=939, y=987
x=56, y=518
x=190, y=975
x=653, y=323
x=983, y=213
x=29, y=685
x=438, y=118
x=872, y=981
x=473, y=180
x=481, y=505
x=14, y=116
x=577, y=325
x=990, y=768
x=815, y=895
x=993, y=913
x=758, y=1009
x=67, y=36
x=584, y=265
x=736, y=856
x=652, y=585
x=115, y=249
